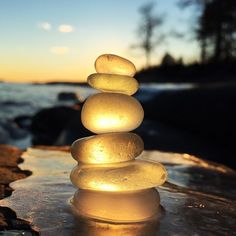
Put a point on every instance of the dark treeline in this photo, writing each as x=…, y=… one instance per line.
x=213, y=27
x=206, y=112
x=146, y=30
x=193, y=73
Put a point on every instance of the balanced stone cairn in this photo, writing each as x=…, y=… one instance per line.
x=112, y=185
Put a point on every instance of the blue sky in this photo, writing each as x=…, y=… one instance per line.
x=60, y=39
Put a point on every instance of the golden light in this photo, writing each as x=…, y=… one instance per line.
x=120, y=207
x=111, y=112
x=112, y=185
x=120, y=177
x=113, y=64
x=113, y=83
x=107, y=148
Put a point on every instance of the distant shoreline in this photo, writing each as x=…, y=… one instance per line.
x=61, y=83
x=199, y=74
x=47, y=83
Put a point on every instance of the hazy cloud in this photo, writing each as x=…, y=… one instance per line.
x=45, y=26
x=59, y=50
x=66, y=28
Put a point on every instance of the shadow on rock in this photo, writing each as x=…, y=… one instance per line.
x=11, y=225
x=10, y=156
x=55, y=126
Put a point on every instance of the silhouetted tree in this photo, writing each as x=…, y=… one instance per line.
x=199, y=32
x=168, y=60
x=146, y=31
x=216, y=28
x=202, y=33
x=180, y=61
x=221, y=28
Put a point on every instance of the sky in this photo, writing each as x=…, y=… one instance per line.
x=59, y=40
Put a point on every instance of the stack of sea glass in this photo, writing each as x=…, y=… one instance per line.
x=112, y=184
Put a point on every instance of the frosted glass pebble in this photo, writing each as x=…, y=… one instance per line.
x=111, y=112
x=113, y=83
x=113, y=64
x=107, y=148
x=118, y=207
x=124, y=176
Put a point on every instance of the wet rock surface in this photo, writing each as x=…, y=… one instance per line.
x=48, y=123
x=10, y=157
x=67, y=96
x=198, y=199
x=11, y=225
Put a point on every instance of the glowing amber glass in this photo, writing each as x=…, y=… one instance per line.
x=125, y=176
x=113, y=83
x=112, y=185
x=111, y=112
x=107, y=148
x=121, y=207
x=113, y=64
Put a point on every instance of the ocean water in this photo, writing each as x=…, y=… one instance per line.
x=27, y=99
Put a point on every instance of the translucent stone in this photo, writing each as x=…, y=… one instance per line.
x=118, y=207
x=125, y=176
x=111, y=112
x=113, y=64
x=113, y=83
x=107, y=148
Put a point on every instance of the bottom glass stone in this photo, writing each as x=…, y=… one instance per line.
x=118, y=207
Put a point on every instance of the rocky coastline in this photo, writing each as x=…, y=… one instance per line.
x=10, y=157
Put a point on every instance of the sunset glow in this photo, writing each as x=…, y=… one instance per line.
x=51, y=41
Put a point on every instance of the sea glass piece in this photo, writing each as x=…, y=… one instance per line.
x=113, y=64
x=118, y=207
x=113, y=83
x=111, y=112
x=107, y=148
x=125, y=176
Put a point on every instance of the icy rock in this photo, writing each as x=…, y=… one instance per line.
x=111, y=112
x=107, y=148
x=113, y=64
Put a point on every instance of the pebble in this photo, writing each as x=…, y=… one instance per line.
x=107, y=148
x=132, y=207
x=113, y=83
x=113, y=64
x=111, y=112
x=126, y=176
